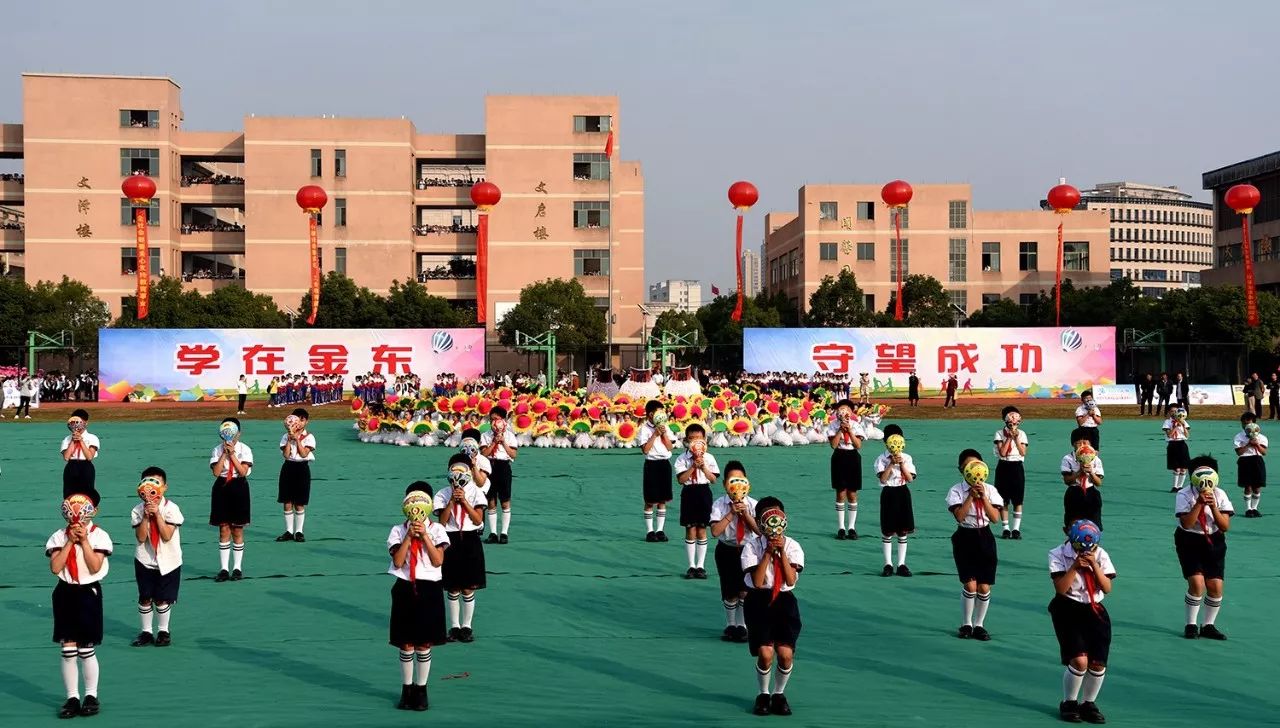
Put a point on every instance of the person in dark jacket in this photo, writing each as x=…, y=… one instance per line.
x=1182, y=392
x=1164, y=390
x=1273, y=397
x=1147, y=389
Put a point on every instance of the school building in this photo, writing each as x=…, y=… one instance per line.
x=1264, y=224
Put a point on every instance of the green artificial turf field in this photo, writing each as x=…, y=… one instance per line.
x=585, y=623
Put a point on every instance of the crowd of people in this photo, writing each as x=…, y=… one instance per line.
x=211, y=179
x=794, y=384
x=443, y=229
x=10, y=225
x=204, y=274
x=215, y=227
x=13, y=177
x=425, y=182
x=456, y=268
x=293, y=389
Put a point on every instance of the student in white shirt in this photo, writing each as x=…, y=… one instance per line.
x=417, y=547
x=229, y=502
x=499, y=445
x=460, y=508
x=1011, y=477
x=1082, y=572
x=655, y=442
x=78, y=556
x=845, y=435
x=79, y=449
x=481, y=466
x=895, y=470
x=733, y=520
x=975, y=505
x=1251, y=468
x=298, y=448
x=1082, y=472
x=771, y=563
x=1088, y=416
x=242, y=394
x=1177, y=456
x=157, y=560
x=696, y=470
x=1204, y=517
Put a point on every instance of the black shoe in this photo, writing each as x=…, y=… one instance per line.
x=904, y=571
x=1174, y=489
x=760, y=708
x=237, y=575
x=981, y=634
x=466, y=635
x=661, y=536
x=701, y=573
x=163, y=639
x=491, y=538
x=1257, y=513
x=502, y=538
x=455, y=634
x=89, y=706
x=649, y=537
x=778, y=705
x=299, y=537
x=840, y=534
x=1191, y=632
x=1211, y=632
x=71, y=708
x=888, y=570
x=286, y=536
x=742, y=634
x=222, y=576
x=965, y=632
x=144, y=639
x=1017, y=535
x=1089, y=713
x=1006, y=534
x=730, y=634
x=852, y=535
x=407, y=695
x=1069, y=711
x=691, y=573
x=420, y=698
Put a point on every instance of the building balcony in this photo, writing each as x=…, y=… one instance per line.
x=209, y=238
x=442, y=195
x=213, y=195
x=209, y=285
x=12, y=236
x=11, y=188
x=451, y=288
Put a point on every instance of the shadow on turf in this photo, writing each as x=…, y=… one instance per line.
x=23, y=689
x=331, y=607
x=279, y=663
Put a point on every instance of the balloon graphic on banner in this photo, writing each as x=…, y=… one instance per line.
x=1071, y=340
x=441, y=342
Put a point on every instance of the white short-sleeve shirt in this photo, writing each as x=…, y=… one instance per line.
x=1071, y=465
x=896, y=479
x=1186, y=501
x=753, y=550
x=87, y=440
x=473, y=495
x=291, y=454
x=242, y=387
x=1087, y=413
x=242, y=454
x=855, y=429
x=1014, y=455
x=168, y=556
x=424, y=570
x=659, y=451
x=685, y=461
x=98, y=539
x=1242, y=440
x=1174, y=431
x=960, y=491
x=1061, y=559
x=508, y=439
x=721, y=508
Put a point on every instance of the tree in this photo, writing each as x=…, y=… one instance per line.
x=680, y=322
x=411, y=307
x=168, y=307
x=234, y=306
x=344, y=305
x=788, y=313
x=15, y=311
x=559, y=305
x=924, y=304
x=838, y=303
x=724, y=335
x=68, y=305
x=1001, y=314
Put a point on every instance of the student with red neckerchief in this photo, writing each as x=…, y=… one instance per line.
x=732, y=522
x=417, y=549
x=771, y=563
x=1082, y=573
x=845, y=434
x=79, y=449
x=157, y=560
x=78, y=556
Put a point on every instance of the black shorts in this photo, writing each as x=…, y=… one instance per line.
x=1251, y=472
x=1200, y=555
x=77, y=613
x=657, y=481
x=770, y=624
x=1080, y=504
x=500, y=481
x=464, y=562
x=417, y=613
x=846, y=470
x=974, y=550
x=695, y=505
x=229, y=502
x=295, y=483
x=729, y=569
x=1080, y=630
x=1011, y=482
x=80, y=476
x=896, y=515
x=154, y=586
x=1177, y=456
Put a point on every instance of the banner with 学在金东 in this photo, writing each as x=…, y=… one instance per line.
x=198, y=364
x=1039, y=362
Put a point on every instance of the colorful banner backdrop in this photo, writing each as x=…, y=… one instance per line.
x=203, y=364
x=1030, y=362
x=1197, y=394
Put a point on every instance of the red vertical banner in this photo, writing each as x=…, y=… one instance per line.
x=144, y=261
x=608, y=145
x=897, y=231
x=315, y=270
x=1057, y=282
x=737, y=309
x=482, y=268
x=1250, y=290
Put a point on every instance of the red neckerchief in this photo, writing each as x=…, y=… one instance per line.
x=1091, y=585
x=232, y=465
x=978, y=511
x=1204, y=523
x=155, y=529
x=77, y=448
x=73, y=568
x=740, y=527
x=414, y=548
x=1006, y=447
x=777, y=575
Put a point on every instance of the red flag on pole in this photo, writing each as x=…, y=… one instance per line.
x=715, y=291
x=608, y=145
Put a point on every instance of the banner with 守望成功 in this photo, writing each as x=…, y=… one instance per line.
x=1038, y=362
x=203, y=364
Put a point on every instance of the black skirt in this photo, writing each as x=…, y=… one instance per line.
x=1080, y=630
x=154, y=586
x=1011, y=482
x=974, y=550
x=77, y=613
x=657, y=481
x=295, y=483
x=1200, y=555
x=417, y=613
x=500, y=481
x=846, y=470
x=771, y=623
x=1251, y=472
x=1080, y=504
x=896, y=515
x=695, y=505
x=229, y=502
x=729, y=569
x=80, y=476
x=464, y=562
x=1177, y=456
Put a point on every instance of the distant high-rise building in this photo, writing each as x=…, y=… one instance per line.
x=677, y=295
x=751, y=272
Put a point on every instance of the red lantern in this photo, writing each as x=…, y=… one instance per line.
x=896, y=194
x=1063, y=198
x=312, y=198
x=485, y=195
x=139, y=189
x=742, y=195
x=1243, y=198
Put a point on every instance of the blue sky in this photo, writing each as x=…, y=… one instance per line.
x=1008, y=95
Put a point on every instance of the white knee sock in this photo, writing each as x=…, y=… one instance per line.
x=163, y=612
x=1092, y=685
x=886, y=542
x=780, y=678
x=967, y=598
x=1193, y=607
x=730, y=611
x=1257, y=498
x=89, y=667
x=424, y=667
x=492, y=517
x=406, y=667
x=762, y=679
x=506, y=519
x=1017, y=520
x=288, y=521
x=145, y=614
x=1211, y=607
x=298, y=518
x=237, y=555
x=980, y=609
x=690, y=550
x=1004, y=521
x=740, y=617
x=648, y=520
x=902, y=550
x=840, y=515
x=1071, y=682
x=851, y=515
x=468, y=608
x=452, y=602
x=701, y=553
x=70, y=673
x=662, y=518
x=224, y=553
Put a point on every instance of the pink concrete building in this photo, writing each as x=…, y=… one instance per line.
x=399, y=201
x=979, y=256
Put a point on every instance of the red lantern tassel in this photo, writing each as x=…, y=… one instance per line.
x=1057, y=283
x=897, y=228
x=482, y=268
x=737, y=248
x=144, y=262
x=315, y=272
x=1250, y=292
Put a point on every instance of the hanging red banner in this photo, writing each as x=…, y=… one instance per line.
x=315, y=272
x=1250, y=289
x=482, y=267
x=897, y=231
x=737, y=248
x=144, y=261
x=1057, y=283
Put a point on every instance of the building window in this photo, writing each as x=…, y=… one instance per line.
x=869, y=301
x=959, y=299
x=866, y=251
x=795, y=263
x=893, y=259
x=591, y=124
x=828, y=251
x=958, y=214
x=1026, y=300
x=129, y=261
x=339, y=212
x=1116, y=274
x=140, y=118
x=990, y=299
x=139, y=161
x=866, y=210
x=957, y=260
x=904, y=217
x=1028, y=256
x=590, y=263
x=126, y=212
x=990, y=257
x=828, y=211
x=590, y=215
x=1075, y=256
x=317, y=163
x=340, y=260
x=590, y=166
x=339, y=163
